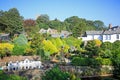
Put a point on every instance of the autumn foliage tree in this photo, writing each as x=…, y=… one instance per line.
x=30, y=27
x=29, y=23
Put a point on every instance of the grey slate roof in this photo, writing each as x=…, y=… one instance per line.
x=94, y=32
x=4, y=34
x=113, y=30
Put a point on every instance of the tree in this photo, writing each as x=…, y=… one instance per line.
x=12, y=20
x=56, y=24
x=106, y=50
x=42, y=21
x=92, y=49
x=99, y=25
x=6, y=49
x=78, y=29
x=89, y=25
x=20, y=43
x=48, y=46
x=116, y=58
x=36, y=43
x=29, y=23
x=3, y=20
x=73, y=21
x=56, y=74
x=98, y=42
x=21, y=40
x=30, y=27
x=2, y=23
x=78, y=25
x=37, y=47
x=73, y=43
x=66, y=26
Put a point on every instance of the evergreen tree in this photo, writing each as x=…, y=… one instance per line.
x=12, y=20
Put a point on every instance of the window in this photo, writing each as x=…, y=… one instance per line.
x=93, y=37
x=108, y=37
x=117, y=36
x=26, y=67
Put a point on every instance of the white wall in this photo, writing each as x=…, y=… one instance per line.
x=113, y=38
x=91, y=37
x=103, y=38
x=26, y=64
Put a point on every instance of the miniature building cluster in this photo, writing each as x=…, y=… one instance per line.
x=22, y=65
x=111, y=35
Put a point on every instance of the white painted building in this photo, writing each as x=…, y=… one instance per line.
x=111, y=35
x=26, y=64
x=4, y=36
x=49, y=30
x=54, y=33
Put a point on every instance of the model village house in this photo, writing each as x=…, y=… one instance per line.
x=111, y=35
x=14, y=63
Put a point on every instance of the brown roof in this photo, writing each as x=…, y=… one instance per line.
x=17, y=58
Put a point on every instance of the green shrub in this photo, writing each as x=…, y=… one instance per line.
x=20, y=44
x=56, y=74
x=19, y=50
x=95, y=62
x=106, y=61
x=4, y=76
x=77, y=61
x=21, y=40
x=108, y=79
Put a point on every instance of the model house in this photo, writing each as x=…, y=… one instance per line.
x=111, y=35
x=20, y=62
x=22, y=65
x=4, y=37
x=49, y=30
x=54, y=33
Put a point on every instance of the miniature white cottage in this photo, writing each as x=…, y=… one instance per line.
x=111, y=35
x=26, y=64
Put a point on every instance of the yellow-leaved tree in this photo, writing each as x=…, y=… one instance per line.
x=6, y=49
x=48, y=46
x=98, y=42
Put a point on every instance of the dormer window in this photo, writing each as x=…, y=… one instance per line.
x=117, y=36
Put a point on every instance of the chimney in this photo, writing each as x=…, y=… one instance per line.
x=110, y=26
